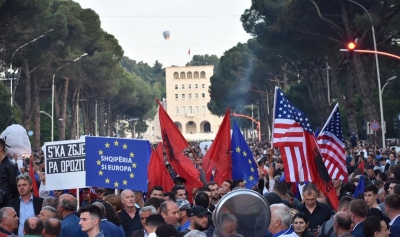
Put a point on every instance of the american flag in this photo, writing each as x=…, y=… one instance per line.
x=290, y=126
x=331, y=145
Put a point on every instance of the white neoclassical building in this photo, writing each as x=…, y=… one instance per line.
x=186, y=104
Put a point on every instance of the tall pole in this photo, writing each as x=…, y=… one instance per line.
x=42, y=112
x=252, y=124
x=377, y=70
x=387, y=82
x=11, y=68
x=95, y=119
x=53, y=89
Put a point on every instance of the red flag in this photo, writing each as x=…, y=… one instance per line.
x=220, y=153
x=174, y=144
x=300, y=154
x=158, y=174
x=189, y=52
x=34, y=184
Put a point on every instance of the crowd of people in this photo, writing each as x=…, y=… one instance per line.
x=369, y=201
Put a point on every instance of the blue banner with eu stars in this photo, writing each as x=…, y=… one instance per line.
x=243, y=164
x=117, y=163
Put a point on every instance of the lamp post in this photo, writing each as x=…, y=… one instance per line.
x=383, y=121
x=51, y=117
x=52, y=89
x=377, y=69
x=11, y=67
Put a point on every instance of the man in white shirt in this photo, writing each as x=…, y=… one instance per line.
x=280, y=224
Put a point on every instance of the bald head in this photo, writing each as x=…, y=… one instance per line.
x=68, y=202
x=52, y=227
x=342, y=221
x=33, y=226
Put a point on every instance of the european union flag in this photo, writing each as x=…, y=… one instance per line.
x=117, y=163
x=243, y=164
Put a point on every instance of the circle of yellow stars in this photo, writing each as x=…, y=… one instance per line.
x=131, y=155
x=244, y=153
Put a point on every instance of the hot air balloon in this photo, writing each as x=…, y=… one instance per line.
x=166, y=34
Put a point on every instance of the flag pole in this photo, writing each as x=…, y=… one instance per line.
x=273, y=123
x=329, y=119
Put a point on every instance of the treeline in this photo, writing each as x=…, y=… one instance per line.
x=296, y=46
x=103, y=81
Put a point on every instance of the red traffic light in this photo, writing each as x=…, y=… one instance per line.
x=351, y=46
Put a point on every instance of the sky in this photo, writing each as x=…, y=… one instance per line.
x=203, y=26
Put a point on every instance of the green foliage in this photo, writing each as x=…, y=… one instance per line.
x=202, y=60
x=5, y=107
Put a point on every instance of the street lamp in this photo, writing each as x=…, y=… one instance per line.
x=11, y=68
x=51, y=117
x=52, y=89
x=377, y=68
x=387, y=82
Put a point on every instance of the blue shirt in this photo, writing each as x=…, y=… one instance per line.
x=70, y=219
x=26, y=210
x=185, y=225
x=284, y=232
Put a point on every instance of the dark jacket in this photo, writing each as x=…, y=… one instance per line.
x=138, y=233
x=37, y=204
x=358, y=231
x=8, y=180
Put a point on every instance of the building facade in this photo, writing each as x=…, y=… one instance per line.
x=186, y=104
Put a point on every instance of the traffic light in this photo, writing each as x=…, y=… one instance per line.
x=351, y=46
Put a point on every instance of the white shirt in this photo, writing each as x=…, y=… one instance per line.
x=394, y=219
x=152, y=235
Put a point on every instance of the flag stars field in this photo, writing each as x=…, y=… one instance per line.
x=238, y=149
x=116, y=184
x=98, y=162
x=125, y=182
x=244, y=153
x=132, y=175
x=134, y=165
x=125, y=146
x=107, y=181
x=132, y=155
x=116, y=143
x=107, y=145
x=100, y=173
x=100, y=152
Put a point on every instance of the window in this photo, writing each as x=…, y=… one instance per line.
x=203, y=95
x=183, y=86
x=196, y=74
x=190, y=111
x=190, y=95
x=189, y=75
x=190, y=86
x=197, y=110
x=176, y=96
x=183, y=75
x=176, y=110
x=196, y=86
x=203, y=109
x=203, y=86
x=176, y=75
x=202, y=74
x=152, y=128
x=183, y=96
x=183, y=110
x=176, y=87
x=196, y=95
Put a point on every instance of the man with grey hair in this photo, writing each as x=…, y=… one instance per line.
x=26, y=205
x=47, y=213
x=281, y=218
x=108, y=228
x=66, y=208
x=144, y=213
x=8, y=220
x=342, y=224
x=195, y=233
x=50, y=201
x=129, y=216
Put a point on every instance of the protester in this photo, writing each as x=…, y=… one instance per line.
x=50, y=201
x=342, y=224
x=26, y=205
x=33, y=227
x=280, y=224
x=52, y=227
x=8, y=221
x=376, y=226
x=108, y=228
x=300, y=224
x=90, y=218
x=358, y=213
x=157, y=192
x=184, y=208
x=8, y=175
x=47, y=213
x=115, y=201
x=198, y=216
x=144, y=213
x=392, y=203
x=152, y=223
x=170, y=212
x=130, y=214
